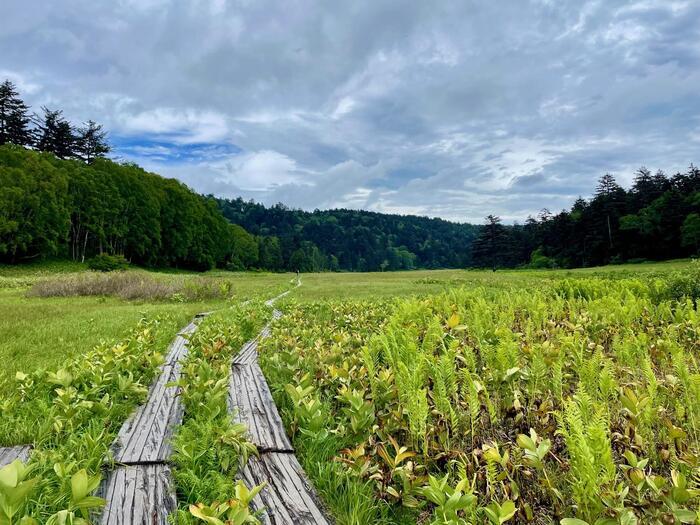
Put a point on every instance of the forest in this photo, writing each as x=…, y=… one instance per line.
x=356, y=240
x=61, y=197
x=658, y=218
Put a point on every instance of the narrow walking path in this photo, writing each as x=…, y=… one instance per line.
x=140, y=489
x=288, y=497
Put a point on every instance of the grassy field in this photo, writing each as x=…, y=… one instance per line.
x=39, y=331
x=450, y=397
x=45, y=331
x=423, y=282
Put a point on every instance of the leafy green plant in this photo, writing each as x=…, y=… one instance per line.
x=573, y=399
x=209, y=446
x=72, y=416
x=453, y=505
x=15, y=489
x=232, y=512
x=498, y=513
x=108, y=263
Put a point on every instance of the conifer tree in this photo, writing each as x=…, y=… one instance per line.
x=14, y=120
x=90, y=142
x=55, y=134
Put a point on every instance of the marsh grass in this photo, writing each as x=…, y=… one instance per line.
x=133, y=286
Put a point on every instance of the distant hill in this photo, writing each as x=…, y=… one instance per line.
x=355, y=239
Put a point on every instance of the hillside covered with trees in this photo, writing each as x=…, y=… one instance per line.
x=355, y=239
x=52, y=207
x=60, y=197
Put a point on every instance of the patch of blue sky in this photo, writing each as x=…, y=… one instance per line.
x=168, y=150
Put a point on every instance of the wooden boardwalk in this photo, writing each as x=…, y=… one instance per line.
x=252, y=404
x=9, y=454
x=145, y=437
x=140, y=489
x=288, y=497
x=138, y=494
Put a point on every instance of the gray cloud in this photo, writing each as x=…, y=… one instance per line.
x=454, y=109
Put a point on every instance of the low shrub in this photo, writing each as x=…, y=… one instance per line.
x=108, y=263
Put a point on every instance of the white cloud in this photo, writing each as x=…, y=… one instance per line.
x=257, y=171
x=183, y=126
x=453, y=109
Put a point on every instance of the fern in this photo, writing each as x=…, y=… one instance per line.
x=592, y=469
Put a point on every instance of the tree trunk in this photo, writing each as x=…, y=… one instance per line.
x=84, y=247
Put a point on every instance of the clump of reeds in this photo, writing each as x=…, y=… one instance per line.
x=133, y=286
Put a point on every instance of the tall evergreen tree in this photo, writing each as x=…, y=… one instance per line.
x=55, y=134
x=609, y=198
x=14, y=119
x=91, y=142
x=491, y=247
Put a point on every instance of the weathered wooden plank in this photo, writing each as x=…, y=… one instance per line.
x=252, y=403
x=249, y=351
x=178, y=348
x=248, y=354
x=288, y=497
x=138, y=494
x=9, y=454
x=145, y=436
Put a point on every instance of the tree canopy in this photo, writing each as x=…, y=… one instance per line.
x=50, y=131
x=657, y=218
x=353, y=240
x=60, y=196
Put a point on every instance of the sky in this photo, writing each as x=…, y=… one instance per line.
x=455, y=109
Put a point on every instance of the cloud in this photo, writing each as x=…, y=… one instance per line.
x=258, y=171
x=186, y=126
x=450, y=109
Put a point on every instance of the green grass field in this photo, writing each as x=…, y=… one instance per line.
x=45, y=331
x=42, y=332
x=524, y=396
x=423, y=282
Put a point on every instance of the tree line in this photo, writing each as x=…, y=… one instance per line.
x=657, y=218
x=48, y=131
x=67, y=208
x=51, y=207
x=60, y=196
x=73, y=209
x=353, y=240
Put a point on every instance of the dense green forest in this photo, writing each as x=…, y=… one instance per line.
x=355, y=239
x=67, y=208
x=657, y=218
x=60, y=197
x=75, y=209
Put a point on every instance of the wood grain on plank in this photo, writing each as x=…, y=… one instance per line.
x=145, y=436
x=178, y=347
x=248, y=353
x=288, y=498
x=252, y=404
x=138, y=494
x=9, y=454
